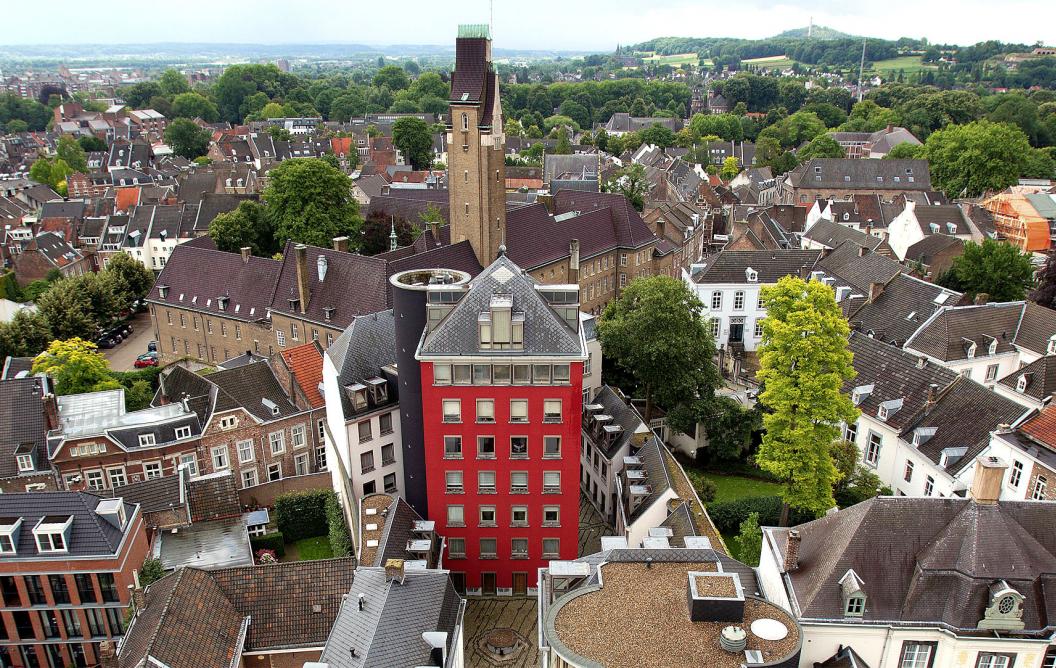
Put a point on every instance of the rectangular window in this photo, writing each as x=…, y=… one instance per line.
x=277, y=439
x=485, y=482
x=488, y=548
x=551, y=547
x=551, y=482
x=1015, y=476
x=872, y=451
x=146, y=440
x=552, y=410
x=561, y=373
x=364, y=431
x=738, y=301
x=117, y=477
x=366, y=462
x=929, y=485
x=500, y=374
x=182, y=433
x=390, y=483
x=72, y=622
x=280, y=338
x=518, y=447
x=850, y=432
x=519, y=516
x=441, y=374
x=518, y=410
x=541, y=374
x=274, y=472
x=486, y=410
x=551, y=516
x=452, y=447
x=716, y=300
x=191, y=463
x=59, y=590
x=34, y=590
x=456, y=516
x=228, y=422
x=452, y=410
x=320, y=457
x=518, y=482
x=758, y=329
x=220, y=462
x=293, y=331
x=990, y=660
x=1041, y=484
x=917, y=654
x=715, y=324
x=249, y=478
x=298, y=436
x=453, y=482
x=456, y=548
x=991, y=374
x=908, y=474
x=463, y=374
x=385, y=423
x=388, y=454
x=300, y=464
x=519, y=548
x=245, y=451
x=522, y=374
x=487, y=516
x=85, y=588
x=551, y=447
x=485, y=447
x=481, y=374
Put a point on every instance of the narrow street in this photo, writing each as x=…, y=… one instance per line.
x=123, y=356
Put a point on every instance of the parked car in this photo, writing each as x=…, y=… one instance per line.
x=145, y=360
x=109, y=339
x=152, y=347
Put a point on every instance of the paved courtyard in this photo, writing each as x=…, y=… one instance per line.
x=484, y=615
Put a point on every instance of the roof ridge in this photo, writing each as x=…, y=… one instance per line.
x=164, y=611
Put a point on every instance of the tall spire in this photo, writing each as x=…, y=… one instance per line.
x=392, y=236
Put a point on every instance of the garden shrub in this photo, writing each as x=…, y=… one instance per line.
x=340, y=537
x=269, y=541
x=728, y=515
x=302, y=514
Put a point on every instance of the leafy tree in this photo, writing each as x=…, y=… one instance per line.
x=730, y=168
x=279, y=133
x=804, y=361
x=724, y=126
x=563, y=145
x=132, y=279
x=187, y=139
x=631, y=183
x=796, y=129
x=91, y=143
x=311, y=202
x=138, y=95
x=70, y=151
x=412, y=136
x=151, y=571
x=67, y=311
x=50, y=172
x=172, y=83
x=728, y=425
x=102, y=293
x=16, y=125
x=977, y=157
x=656, y=333
x=868, y=116
x=377, y=229
x=1045, y=293
x=248, y=225
x=856, y=482
x=822, y=146
x=905, y=151
x=658, y=135
x=193, y=105
x=749, y=540
x=392, y=77
x=34, y=114
x=26, y=335
x=994, y=268
x=576, y=111
x=830, y=114
x=76, y=366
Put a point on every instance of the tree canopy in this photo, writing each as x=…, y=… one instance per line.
x=245, y=226
x=187, y=139
x=969, y=160
x=310, y=202
x=75, y=366
x=993, y=268
x=412, y=136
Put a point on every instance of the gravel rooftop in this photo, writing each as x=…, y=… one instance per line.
x=378, y=502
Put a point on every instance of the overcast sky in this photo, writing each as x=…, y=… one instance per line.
x=540, y=24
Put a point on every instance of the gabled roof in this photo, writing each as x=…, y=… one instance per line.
x=849, y=174
x=631, y=230
x=362, y=350
x=859, y=266
x=306, y=364
x=22, y=422
x=941, y=215
x=904, y=305
x=949, y=334
x=832, y=234
x=623, y=414
x=925, y=250
x=545, y=333
x=1040, y=378
x=770, y=265
x=90, y=534
x=1036, y=328
x=1042, y=427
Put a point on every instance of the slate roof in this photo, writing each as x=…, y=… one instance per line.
x=832, y=234
x=623, y=414
x=894, y=374
x=16, y=365
x=63, y=209
x=1036, y=328
x=928, y=560
x=581, y=165
x=22, y=422
x=925, y=250
x=631, y=230
x=849, y=174
x=191, y=277
x=902, y=308
x=545, y=333
x=771, y=265
x=534, y=238
x=659, y=481
x=352, y=285
x=306, y=363
x=367, y=345
x=859, y=269
x=946, y=335
x=213, y=496
x=90, y=534
x=153, y=495
x=941, y=215
x=1041, y=378
x=470, y=76
x=388, y=631
x=245, y=386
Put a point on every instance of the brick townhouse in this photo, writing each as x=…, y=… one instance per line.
x=67, y=562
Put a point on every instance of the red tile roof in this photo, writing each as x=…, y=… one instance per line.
x=306, y=363
x=1042, y=427
x=126, y=198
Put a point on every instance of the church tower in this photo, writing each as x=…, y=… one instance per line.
x=476, y=169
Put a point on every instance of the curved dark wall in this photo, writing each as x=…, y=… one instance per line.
x=408, y=309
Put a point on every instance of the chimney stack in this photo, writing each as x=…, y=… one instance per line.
x=981, y=299
x=341, y=244
x=792, y=551
x=573, y=262
x=301, y=254
x=932, y=391
x=989, y=474
x=247, y=252
x=434, y=228
x=861, y=251
x=108, y=654
x=875, y=290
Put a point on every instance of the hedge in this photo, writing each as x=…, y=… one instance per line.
x=728, y=515
x=269, y=541
x=340, y=538
x=302, y=514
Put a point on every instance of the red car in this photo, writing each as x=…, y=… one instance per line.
x=145, y=360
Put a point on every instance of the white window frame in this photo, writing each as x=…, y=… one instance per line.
x=183, y=432
x=277, y=437
x=116, y=477
x=872, y=458
x=301, y=464
x=147, y=440
x=25, y=463
x=218, y=456
x=191, y=460
x=299, y=432
x=243, y=447
x=250, y=474
x=90, y=476
x=149, y=472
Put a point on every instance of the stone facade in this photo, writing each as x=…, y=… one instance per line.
x=182, y=332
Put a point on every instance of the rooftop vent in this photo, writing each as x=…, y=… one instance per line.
x=733, y=639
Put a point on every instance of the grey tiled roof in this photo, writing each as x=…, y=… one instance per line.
x=832, y=234
x=771, y=265
x=388, y=631
x=928, y=560
x=1041, y=378
x=623, y=414
x=90, y=534
x=902, y=308
x=545, y=333
x=1036, y=327
x=656, y=475
x=947, y=334
x=862, y=174
x=859, y=269
x=154, y=495
x=22, y=422
x=924, y=251
x=367, y=345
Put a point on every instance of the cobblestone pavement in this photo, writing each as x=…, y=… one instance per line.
x=592, y=527
x=484, y=615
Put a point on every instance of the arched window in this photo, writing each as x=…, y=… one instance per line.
x=465, y=122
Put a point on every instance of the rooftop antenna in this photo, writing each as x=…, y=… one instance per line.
x=861, y=68
x=491, y=19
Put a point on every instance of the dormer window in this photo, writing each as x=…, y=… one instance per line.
x=969, y=347
x=888, y=408
x=859, y=394
x=992, y=349
x=147, y=440
x=379, y=390
x=853, y=594
x=1005, y=611
x=25, y=463
x=358, y=395
x=1021, y=384
x=751, y=275
x=52, y=533
x=9, y=527
x=855, y=606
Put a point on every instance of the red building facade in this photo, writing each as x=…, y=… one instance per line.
x=502, y=390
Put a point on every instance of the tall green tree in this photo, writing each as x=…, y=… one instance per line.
x=187, y=139
x=248, y=225
x=730, y=168
x=392, y=77
x=631, y=183
x=76, y=366
x=969, y=160
x=822, y=146
x=656, y=332
x=412, y=136
x=132, y=279
x=193, y=105
x=67, y=311
x=71, y=152
x=804, y=362
x=172, y=83
x=994, y=268
x=310, y=202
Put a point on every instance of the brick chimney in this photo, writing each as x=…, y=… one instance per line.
x=981, y=299
x=792, y=551
x=875, y=290
x=341, y=244
x=434, y=228
x=932, y=392
x=108, y=654
x=247, y=252
x=300, y=252
x=573, y=262
x=989, y=475
x=51, y=410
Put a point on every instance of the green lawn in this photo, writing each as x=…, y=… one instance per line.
x=310, y=549
x=907, y=63
x=775, y=62
x=674, y=60
x=732, y=487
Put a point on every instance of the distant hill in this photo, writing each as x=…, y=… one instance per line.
x=818, y=32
